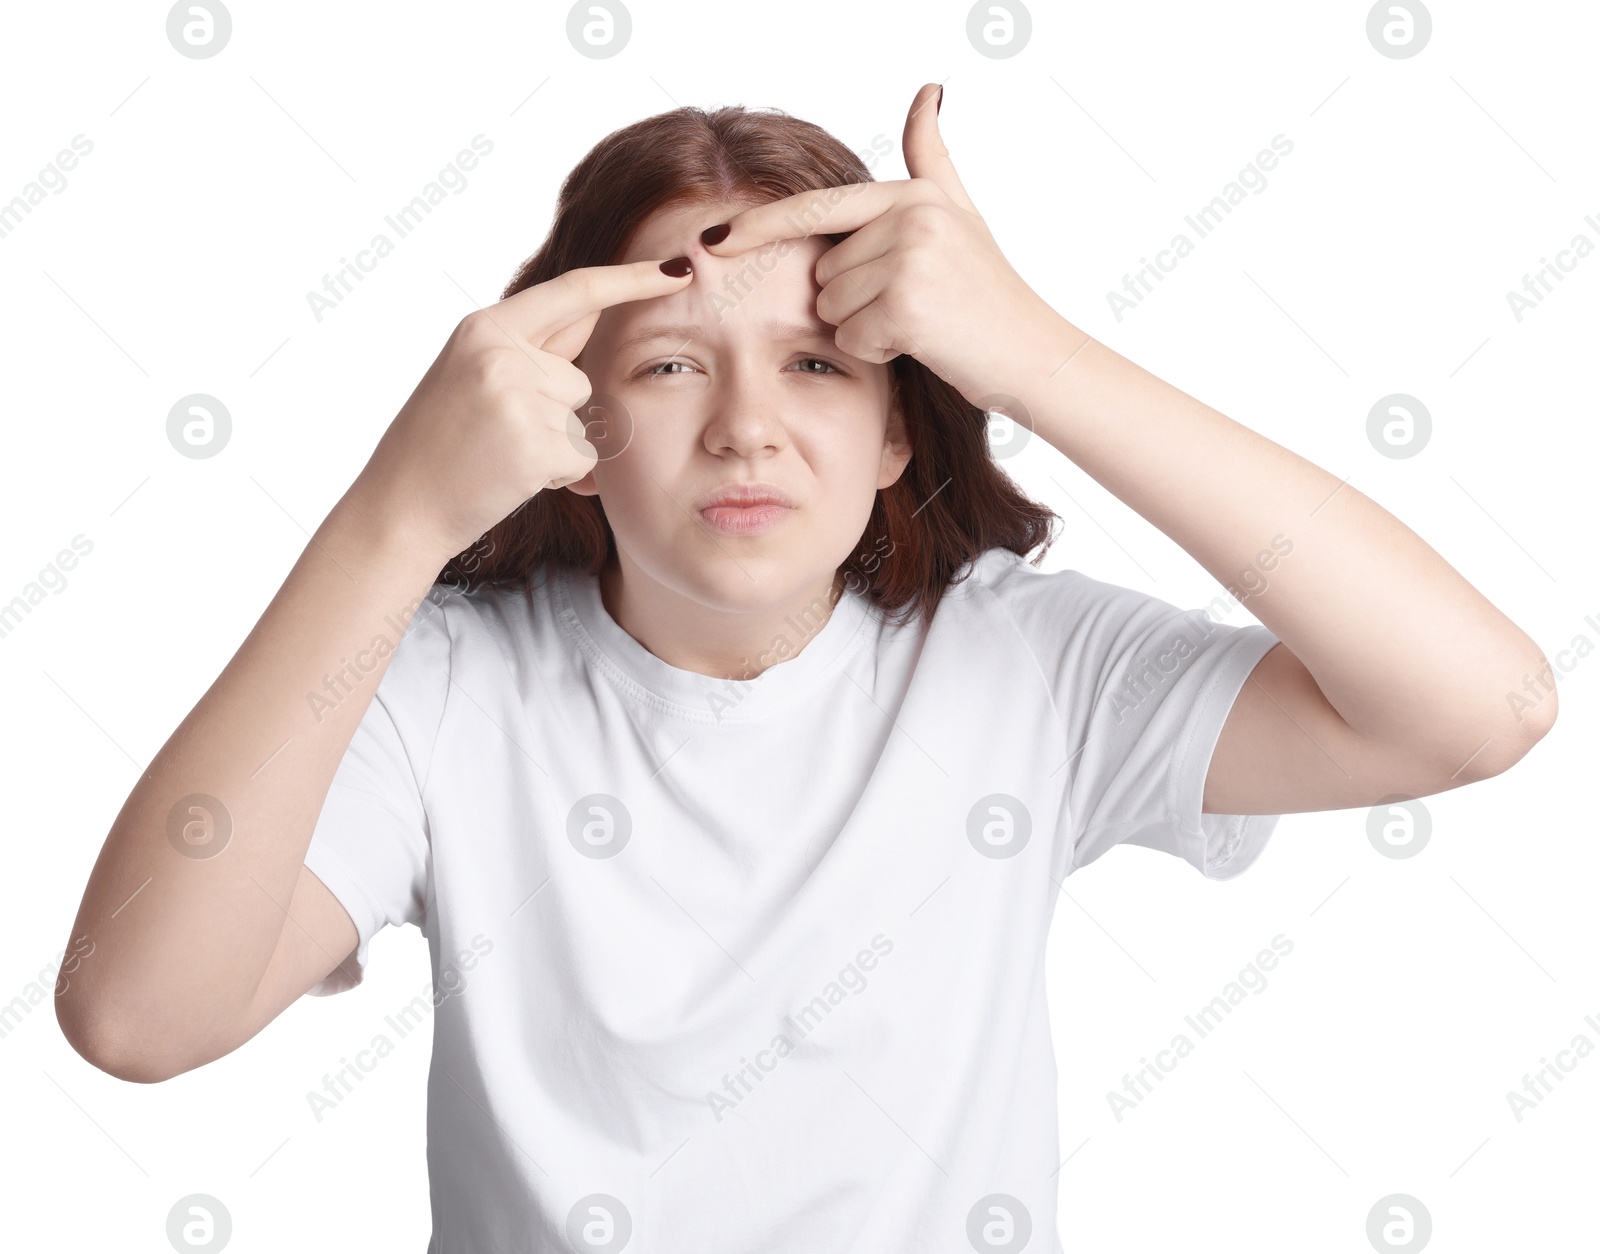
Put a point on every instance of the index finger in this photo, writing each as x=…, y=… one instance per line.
x=824, y=211
x=538, y=312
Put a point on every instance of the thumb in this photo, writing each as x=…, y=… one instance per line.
x=926, y=155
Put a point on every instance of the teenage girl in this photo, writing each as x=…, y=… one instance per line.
x=725, y=745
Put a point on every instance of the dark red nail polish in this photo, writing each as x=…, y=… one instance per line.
x=715, y=234
x=677, y=267
x=938, y=104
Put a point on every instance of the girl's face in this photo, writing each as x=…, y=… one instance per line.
x=734, y=380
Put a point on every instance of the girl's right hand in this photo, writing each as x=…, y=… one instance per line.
x=492, y=423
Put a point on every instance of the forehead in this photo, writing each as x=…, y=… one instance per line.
x=764, y=291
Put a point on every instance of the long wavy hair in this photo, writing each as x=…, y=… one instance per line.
x=951, y=503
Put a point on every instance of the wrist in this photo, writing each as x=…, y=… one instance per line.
x=1037, y=370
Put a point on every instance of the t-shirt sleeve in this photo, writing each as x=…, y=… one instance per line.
x=1142, y=690
x=370, y=846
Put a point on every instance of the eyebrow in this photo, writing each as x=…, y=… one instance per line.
x=685, y=332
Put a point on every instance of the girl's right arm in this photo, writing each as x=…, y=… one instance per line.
x=185, y=947
x=186, y=954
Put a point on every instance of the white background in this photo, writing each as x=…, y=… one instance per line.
x=1419, y=192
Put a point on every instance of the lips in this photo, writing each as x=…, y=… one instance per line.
x=745, y=495
x=745, y=509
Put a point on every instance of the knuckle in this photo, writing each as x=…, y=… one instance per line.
x=922, y=222
x=827, y=305
x=850, y=340
x=495, y=373
x=555, y=417
x=475, y=328
x=567, y=383
x=507, y=418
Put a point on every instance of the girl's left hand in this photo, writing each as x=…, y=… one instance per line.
x=920, y=275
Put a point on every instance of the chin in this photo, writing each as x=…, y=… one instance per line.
x=735, y=581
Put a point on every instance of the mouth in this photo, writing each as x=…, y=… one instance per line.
x=745, y=509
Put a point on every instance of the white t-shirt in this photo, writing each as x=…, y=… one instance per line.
x=734, y=965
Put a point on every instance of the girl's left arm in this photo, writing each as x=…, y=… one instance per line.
x=1395, y=676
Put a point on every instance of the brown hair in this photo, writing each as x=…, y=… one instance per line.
x=952, y=501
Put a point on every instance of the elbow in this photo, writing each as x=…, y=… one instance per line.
x=1503, y=744
x=1527, y=709
x=1540, y=726
x=1472, y=736
x=108, y=1048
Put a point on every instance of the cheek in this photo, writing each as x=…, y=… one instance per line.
x=848, y=442
x=655, y=450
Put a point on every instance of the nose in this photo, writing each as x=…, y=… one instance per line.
x=743, y=412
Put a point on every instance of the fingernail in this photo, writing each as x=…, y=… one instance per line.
x=715, y=234
x=677, y=267
x=938, y=104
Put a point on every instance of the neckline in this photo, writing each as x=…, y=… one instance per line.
x=707, y=698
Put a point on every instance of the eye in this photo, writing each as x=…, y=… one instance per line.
x=660, y=368
x=830, y=367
